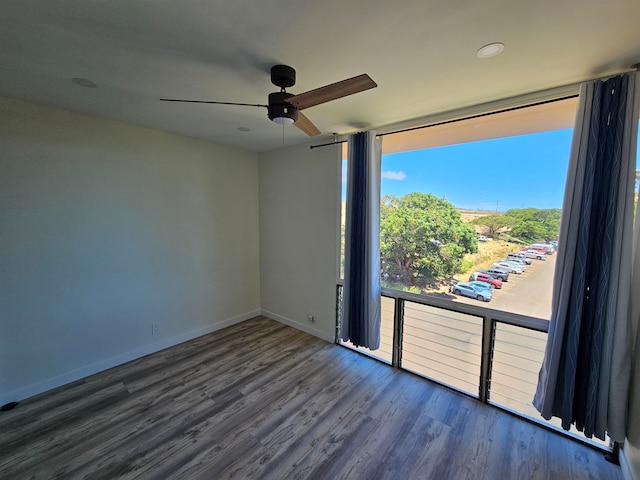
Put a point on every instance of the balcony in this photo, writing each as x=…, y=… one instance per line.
x=491, y=355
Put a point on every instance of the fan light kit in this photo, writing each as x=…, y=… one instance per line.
x=284, y=108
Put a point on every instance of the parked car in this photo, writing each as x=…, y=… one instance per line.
x=537, y=249
x=509, y=267
x=516, y=262
x=519, y=256
x=485, y=277
x=532, y=247
x=485, y=285
x=473, y=291
x=498, y=273
x=548, y=249
x=537, y=254
x=482, y=238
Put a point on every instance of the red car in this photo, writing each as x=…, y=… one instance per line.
x=484, y=277
x=532, y=247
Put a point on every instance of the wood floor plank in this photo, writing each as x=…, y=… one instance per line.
x=307, y=422
x=316, y=443
x=261, y=400
x=413, y=456
x=391, y=424
x=171, y=456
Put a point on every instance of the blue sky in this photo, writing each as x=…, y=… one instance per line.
x=510, y=172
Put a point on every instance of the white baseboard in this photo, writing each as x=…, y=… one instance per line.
x=72, y=376
x=300, y=326
x=625, y=465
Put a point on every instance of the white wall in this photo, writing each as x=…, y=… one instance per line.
x=299, y=221
x=106, y=228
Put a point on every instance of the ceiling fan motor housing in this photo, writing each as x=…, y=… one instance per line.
x=279, y=109
x=283, y=76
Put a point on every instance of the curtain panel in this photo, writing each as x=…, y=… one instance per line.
x=585, y=375
x=361, y=301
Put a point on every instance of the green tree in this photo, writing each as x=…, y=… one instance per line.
x=422, y=236
x=636, y=190
x=493, y=223
x=533, y=224
x=529, y=230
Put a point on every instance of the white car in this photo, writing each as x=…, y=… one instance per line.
x=518, y=262
x=535, y=254
x=509, y=267
x=518, y=256
x=545, y=246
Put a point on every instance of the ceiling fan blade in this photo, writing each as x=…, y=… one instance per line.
x=332, y=92
x=217, y=103
x=304, y=124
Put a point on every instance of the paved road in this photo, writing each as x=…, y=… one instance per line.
x=527, y=294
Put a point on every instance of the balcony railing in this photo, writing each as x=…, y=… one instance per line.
x=492, y=355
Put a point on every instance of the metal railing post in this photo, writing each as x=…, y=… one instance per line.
x=488, y=335
x=398, y=322
x=338, y=313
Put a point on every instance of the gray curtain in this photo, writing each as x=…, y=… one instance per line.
x=361, y=302
x=585, y=375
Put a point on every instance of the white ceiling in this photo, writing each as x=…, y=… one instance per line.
x=421, y=54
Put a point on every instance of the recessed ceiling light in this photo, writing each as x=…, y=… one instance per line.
x=490, y=50
x=244, y=129
x=84, y=82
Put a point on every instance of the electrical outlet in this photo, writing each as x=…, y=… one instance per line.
x=155, y=328
x=311, y=316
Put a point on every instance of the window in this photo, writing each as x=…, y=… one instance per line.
x=474, y=200
x=455, y=210
x=492, y=186
x=466, y=199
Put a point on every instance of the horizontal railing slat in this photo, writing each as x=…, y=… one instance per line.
x=516, y=319
x=426, y=334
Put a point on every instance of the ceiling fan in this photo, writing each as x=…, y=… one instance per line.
x=284, y=108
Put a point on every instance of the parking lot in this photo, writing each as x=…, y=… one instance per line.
x=526, y=294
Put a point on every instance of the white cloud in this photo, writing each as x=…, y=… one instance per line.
x=391, y=175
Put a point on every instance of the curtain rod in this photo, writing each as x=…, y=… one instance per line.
x=455, y=120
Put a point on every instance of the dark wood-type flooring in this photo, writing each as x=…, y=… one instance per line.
x=263, y=400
